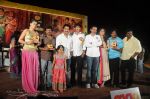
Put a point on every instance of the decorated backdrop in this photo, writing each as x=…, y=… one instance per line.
x=16, y=18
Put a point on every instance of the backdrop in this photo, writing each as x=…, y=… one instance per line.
x=16, y=17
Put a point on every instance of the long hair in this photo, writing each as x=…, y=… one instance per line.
x=104, y=37
x=60, y=46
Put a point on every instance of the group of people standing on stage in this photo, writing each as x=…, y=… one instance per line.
x=105, y=58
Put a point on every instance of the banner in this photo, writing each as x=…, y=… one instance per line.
x=131, y=93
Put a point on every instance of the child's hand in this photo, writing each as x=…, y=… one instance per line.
x=66, y=71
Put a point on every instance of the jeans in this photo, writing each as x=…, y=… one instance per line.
x=68, y=75
x=1, y=60
x=92, y=68
x=76, y=66
x=46, y=67
x=140, y=65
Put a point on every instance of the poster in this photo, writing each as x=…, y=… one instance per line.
x=14, y=18
x=131, y=93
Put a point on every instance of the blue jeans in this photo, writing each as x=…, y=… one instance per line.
x=140, y=66
x=68, y=75
x=46, y=67
x=92, y=68
x=1, y=65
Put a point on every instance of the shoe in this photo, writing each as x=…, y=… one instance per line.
x=69, y=85
x=88, y=86
x=114, y=86
x=95, y=86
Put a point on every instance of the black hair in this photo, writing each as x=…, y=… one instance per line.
x=129, y=30
x=101, y=29
x=60, y=46
x=34, y=21
x=114, y=30
x=105, y=37
x=73, y=20
x=16, y=35
x=93, y=26
x=66, y=25
x=55, y=20
x=67, y=18
x=78, y=25
x=49, y=27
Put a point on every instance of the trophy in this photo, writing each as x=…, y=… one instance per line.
x=50, y=46
x=114, y=44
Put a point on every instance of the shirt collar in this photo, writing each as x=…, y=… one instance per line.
x=76, y=32
x=114, y=38
x=92, y=36
x=130, y=38
x=65, y=36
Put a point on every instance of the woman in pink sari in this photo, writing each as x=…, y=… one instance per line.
x=103, y=71
x=30, y=61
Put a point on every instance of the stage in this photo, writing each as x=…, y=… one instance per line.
x=9, y=84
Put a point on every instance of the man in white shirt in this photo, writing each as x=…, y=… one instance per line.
x=65, y=39
x=92, y=43
x=77, y=58
x=131, y=49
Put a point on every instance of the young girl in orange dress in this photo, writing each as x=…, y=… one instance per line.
x=59, y=70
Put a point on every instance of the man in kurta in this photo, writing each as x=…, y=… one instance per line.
x=131, y=49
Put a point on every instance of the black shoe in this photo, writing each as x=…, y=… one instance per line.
x=69, y=86
x=108, y=85
x=73, y=84
x=79, y=84
x=115, y=86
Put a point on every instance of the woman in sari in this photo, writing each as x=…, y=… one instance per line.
x=103, y=71
x=13, y=59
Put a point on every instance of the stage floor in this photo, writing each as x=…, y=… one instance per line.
x=141, y=81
